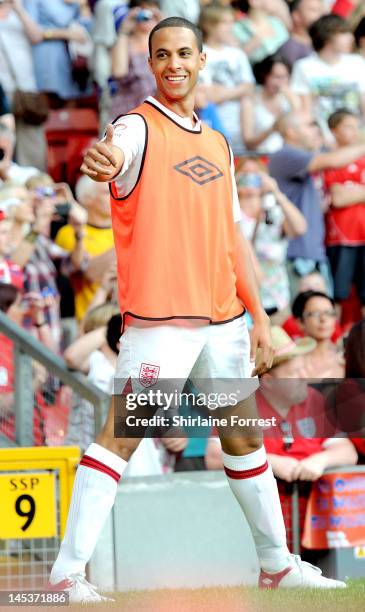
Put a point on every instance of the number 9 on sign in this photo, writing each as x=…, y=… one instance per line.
x=28, y=506
x=29, y=514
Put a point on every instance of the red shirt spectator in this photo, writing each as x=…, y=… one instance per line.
x=346, y=225
x=302, y=432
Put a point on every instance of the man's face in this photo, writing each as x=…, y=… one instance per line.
x=319, y=318
x=4, y=238
x=304, y=132
x=308, y=12
x=347, y=132
x=288, y=381
x=175, y=62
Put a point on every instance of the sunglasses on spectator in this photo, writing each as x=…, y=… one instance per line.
x=44, y=192
x=317, y=314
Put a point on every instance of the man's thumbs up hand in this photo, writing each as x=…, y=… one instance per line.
x=100, y=161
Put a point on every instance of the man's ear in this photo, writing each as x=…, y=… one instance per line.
x=150, y=64
x=203, y=59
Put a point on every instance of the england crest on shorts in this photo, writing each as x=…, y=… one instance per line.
x=148, y=374
x=306, y=427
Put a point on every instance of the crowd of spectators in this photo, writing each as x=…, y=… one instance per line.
x=285, y=83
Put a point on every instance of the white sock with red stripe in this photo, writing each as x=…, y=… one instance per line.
x=93, y=496
x=254, y=486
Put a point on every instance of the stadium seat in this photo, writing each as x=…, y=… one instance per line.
x=69, y=132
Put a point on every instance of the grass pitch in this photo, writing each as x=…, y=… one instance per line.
x=239, y=599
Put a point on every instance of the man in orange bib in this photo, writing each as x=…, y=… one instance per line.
x=185, y=278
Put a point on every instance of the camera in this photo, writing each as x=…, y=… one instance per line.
x=144, y=15
x=63, y=209
x=268, y=205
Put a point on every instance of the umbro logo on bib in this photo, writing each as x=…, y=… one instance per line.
x=199, y=170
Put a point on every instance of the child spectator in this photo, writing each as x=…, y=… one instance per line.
x=345, y=218
x=227, y=75
x=316, y=315
x=272, y=98
x=332, y=77
x=269, y=219
x=260, y=34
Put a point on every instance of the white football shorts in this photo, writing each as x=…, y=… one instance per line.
x=215, y=358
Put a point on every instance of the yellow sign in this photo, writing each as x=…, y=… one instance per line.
x=27, y=505
x=359, y=552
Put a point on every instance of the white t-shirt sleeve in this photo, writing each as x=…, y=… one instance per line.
x=237, y=215
x=245, y=74
x=360, y=73
x=299, y=82
x=130, y=136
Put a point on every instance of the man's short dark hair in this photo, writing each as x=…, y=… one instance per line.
x=176, y=22
x=301, y=300
x=339, y=115
x=325, y=28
